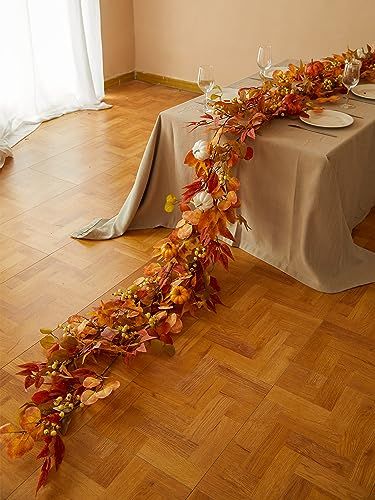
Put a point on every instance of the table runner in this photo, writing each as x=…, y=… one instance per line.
x=302, y=194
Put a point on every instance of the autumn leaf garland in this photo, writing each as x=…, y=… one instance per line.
x=148, y=314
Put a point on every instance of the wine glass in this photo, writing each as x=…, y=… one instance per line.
x=206, y=82
x=350, y=78
x=264, y=59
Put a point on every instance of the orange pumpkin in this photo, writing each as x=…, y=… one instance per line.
x=179, y=295
x=168, y=251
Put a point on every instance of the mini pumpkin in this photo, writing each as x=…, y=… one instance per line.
x=203, y=200
x=179, y=294
x=168, y=251
x=201, y=150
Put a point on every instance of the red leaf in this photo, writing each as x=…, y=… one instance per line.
x=81, y=372
x=41, y=397
x=224, y=231
x=191, y=189
x=30, y=366
x=39, y=381
x=24, y=372
x=213, y=182
x=46, y=467
x=214, y=283
x=226, y=249
x=251, y=133
x=59, y=448
x=29, y=381
x=224, y=260
x=44, y=452
x=249, y=153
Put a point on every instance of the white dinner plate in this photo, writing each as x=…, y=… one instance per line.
x=365, y=90
x=328, y=119
x=269, y=72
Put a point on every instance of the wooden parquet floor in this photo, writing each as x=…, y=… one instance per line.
x=271, y=398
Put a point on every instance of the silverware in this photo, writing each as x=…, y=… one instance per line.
x=310, y=130
x=365, y=101
x=350, y=114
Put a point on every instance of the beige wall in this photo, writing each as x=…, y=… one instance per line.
x=174, y=36
x=117, y=37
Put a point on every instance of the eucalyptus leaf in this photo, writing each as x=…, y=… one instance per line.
x=47, y=341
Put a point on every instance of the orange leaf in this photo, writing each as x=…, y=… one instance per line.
x=190, y=159
x=152, y=268
x=233, y=184
x=17, y=443
x=208, y=217
x=6, y=432
x=192, y=216
x=29, y=420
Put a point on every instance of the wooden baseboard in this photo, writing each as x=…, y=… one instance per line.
x=118, y=80
x=168, y=81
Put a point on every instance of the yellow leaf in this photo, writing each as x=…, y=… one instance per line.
x=171, y=198
x=169, y=207
x=30, y=421
x=19, y=445
x=170, y=201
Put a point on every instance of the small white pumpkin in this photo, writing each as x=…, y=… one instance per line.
x=203, y=201
x=200, y=150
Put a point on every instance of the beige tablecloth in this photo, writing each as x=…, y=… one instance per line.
x=302, y=194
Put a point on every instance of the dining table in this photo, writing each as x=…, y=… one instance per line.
x=302, y=194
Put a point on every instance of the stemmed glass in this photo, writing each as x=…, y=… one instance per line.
x=206, y=82
x=350, y=78
x=264, y=59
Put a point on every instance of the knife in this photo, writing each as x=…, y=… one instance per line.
x=309, y=130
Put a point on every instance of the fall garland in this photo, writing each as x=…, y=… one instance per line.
x=80, y=353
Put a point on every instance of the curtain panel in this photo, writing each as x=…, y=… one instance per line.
x=50, y=64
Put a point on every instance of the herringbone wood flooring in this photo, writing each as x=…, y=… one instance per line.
x=271, y=398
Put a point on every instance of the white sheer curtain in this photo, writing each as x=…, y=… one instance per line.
x=50, y=63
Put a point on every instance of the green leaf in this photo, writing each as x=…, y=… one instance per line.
x=47, y=342
x=159, y=347
x=170, y=349
x=69, y=343
x=45, y=331
x=156, y=346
